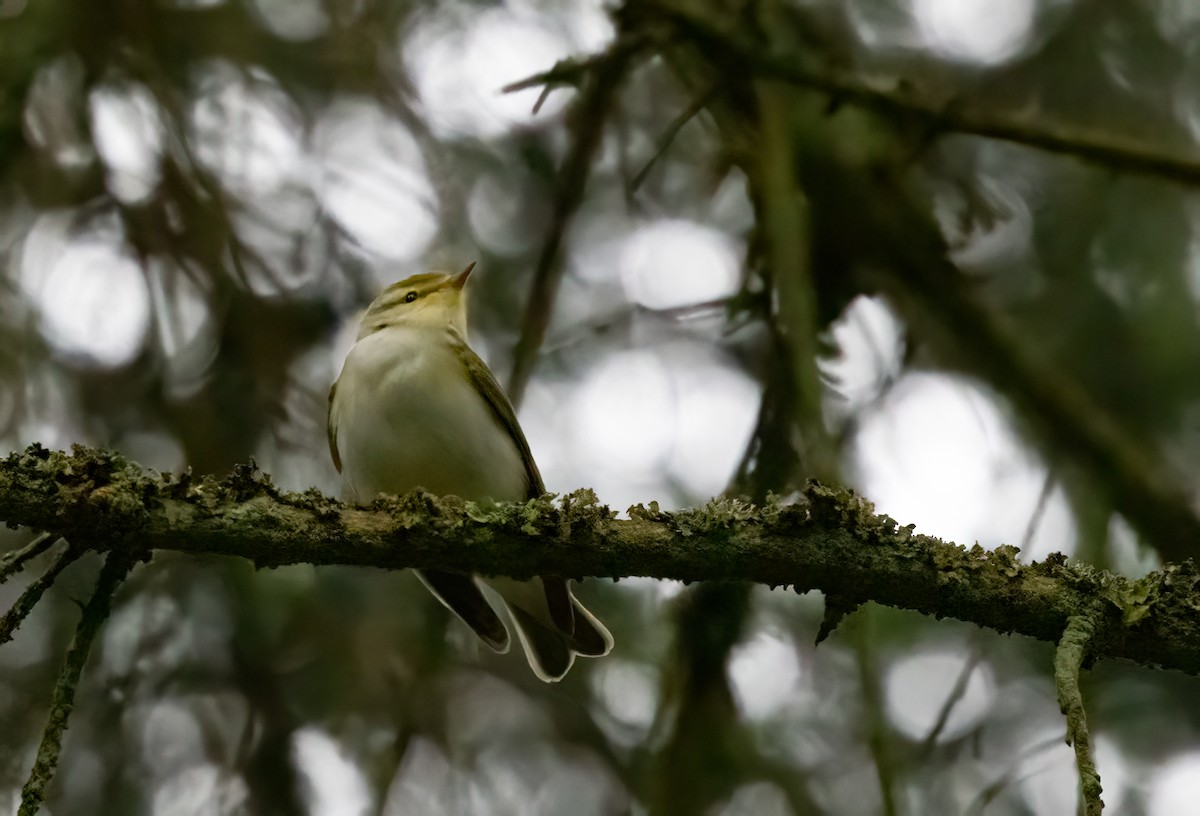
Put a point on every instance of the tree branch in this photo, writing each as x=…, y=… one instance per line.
x=33, y=593
x=1072, y=651
x=895, y=99
x=116, y=567
x=832, y=541
x=600, y=79
x=783, y=217
x=11, y=563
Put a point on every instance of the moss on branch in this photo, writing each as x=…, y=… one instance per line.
x=832, y=541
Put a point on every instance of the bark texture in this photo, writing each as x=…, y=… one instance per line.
x=831, y=540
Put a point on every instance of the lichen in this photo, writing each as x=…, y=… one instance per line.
x=829, y=538
x=1074, y=647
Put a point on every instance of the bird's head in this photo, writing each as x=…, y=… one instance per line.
x=431, y=300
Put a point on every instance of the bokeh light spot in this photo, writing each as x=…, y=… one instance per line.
x=129, y=138
x=757, y=799
x=628, y=693
x=624, y=414
x=999, y=233
x=718, y=406
x=870, y=342
x=423, y=781
x=201, y=790
x=288, y=250
x=50, y=119
x=246, y=130
x=171, y=736
x=919, y=684
x=978, y=31
x=333, y=784
x=295, y=20
x=764, y=672
x=94, y=304
x=185, y=330
x=936, y=451
x=671, y=263
x=374, y=182
x=504, y=217
x=1051, y=784
x=1172, y=790
x=459, y=67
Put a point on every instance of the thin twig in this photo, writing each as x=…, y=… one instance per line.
x=1039, y=511
x=116, y=567
x=565, y=73
x=1072, y=650
x=668, y=136
x=12, y=563
x=588, y=120
x=952, y=699
x=1012, y=776
x=33, y=593
x=207, y=190
x=878, y=730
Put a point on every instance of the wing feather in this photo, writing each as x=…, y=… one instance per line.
x=485, y=382
x=331, y=430
x=557, y=591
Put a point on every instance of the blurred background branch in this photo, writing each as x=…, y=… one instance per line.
x=896, y=99
x=92, y=617
x=598, y=83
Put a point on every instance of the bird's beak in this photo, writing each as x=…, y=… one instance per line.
x=461, y=279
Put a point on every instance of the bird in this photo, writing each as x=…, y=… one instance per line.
x=415, y=406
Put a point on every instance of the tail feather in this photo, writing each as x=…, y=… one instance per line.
x=551, y=640
x=557, y=593
x=548, y=651
x=551, y=624
x=591, y=638
x=462, y=596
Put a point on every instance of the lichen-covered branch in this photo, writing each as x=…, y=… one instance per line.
x=832, y=541
x=1072, y=650
x=116, y=567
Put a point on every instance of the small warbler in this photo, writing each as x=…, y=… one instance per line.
x=414, y=406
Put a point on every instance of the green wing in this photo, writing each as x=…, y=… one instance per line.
x=332, y=431
x=559, y=601
x=483, y=380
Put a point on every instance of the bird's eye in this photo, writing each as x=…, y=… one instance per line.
x=410, y=297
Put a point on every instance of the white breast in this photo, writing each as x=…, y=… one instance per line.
x=406, y=417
